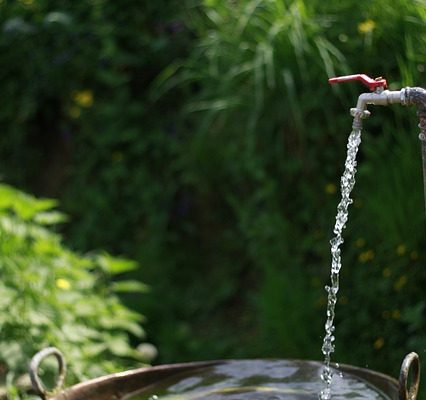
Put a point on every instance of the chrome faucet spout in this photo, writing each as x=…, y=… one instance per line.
x=381, y=98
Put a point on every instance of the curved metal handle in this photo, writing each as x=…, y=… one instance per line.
x=38, y=386
x=405, y=393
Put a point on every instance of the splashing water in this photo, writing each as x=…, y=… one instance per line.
x=347, y=183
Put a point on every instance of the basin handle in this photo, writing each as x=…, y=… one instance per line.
x=37, y=384
x=411, y=360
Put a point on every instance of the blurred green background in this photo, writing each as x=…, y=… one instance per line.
x=202, y=140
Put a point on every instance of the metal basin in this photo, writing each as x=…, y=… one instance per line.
x=233, y=380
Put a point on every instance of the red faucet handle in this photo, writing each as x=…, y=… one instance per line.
x=371, y=83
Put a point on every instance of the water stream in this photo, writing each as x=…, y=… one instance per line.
x=347, y=183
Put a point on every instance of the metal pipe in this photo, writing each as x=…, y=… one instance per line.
x=379, y=97
x=382, y=98
x=417, y=96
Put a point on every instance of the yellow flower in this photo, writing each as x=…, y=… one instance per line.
x=330, y=188
x=84, y=98
x=63, y=284
x=400, y=283
x=396, y=314
x=366, y=26
x=366, y=256
x=27, y=2
x=379, y=343
x=401, y=249
x=360, y=242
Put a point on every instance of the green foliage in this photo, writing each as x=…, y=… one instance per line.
x=202, y=139
x=52, y=296
x=279, y=132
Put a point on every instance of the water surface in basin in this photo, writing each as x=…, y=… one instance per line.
x=257, y=380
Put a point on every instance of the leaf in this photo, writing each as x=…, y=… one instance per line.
x=130, y=286
x=7, y=296
x=50, y=218
x=79, y=333
x=24, y=205
x=134, y=329
x=92, y=350
x=118, y=345
x=115, y=265
x=46, y=246
x=37, y=318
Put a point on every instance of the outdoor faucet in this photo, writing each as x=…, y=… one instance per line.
x=379, y=95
